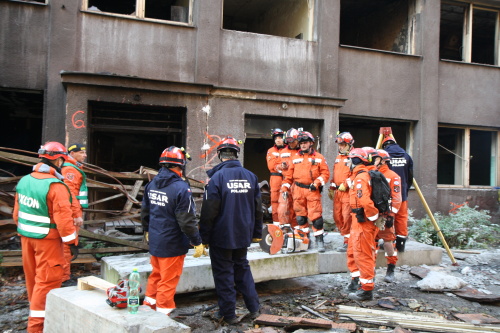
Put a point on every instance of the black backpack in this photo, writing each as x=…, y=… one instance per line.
x=381, y=191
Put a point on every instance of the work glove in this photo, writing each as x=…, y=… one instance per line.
x=285, y=195
x=389, y=222
x=342, y=188
x=205, y=246
x=199, y=250
x=78, y=221
x=380, y=223
x=256, y=240
x=331, y=193
x=284, y=165
x=312, y=187
x=74, y=251
x=146, y=237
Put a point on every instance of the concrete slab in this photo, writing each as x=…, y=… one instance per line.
x=197, y=274
x=73, y=311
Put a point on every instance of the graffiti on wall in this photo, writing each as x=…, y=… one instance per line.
x=76, y=119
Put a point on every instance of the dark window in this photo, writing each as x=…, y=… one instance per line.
x=451, y=31
x=483, y=36
x=450, y=156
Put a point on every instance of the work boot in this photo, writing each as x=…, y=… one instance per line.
x=342, y=248
x=400, y=244
x=353, y=286
x=361, y=295
x=231, y=321
x=389, y=275
x=320, y=244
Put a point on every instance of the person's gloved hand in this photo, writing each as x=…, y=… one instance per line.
x=380, y=223
x=74, y=251
x=206, y=246
x=331, y=193
x=199, y=250
x=256, y=240
x=342, y=188
x=78, y=221
x=285, y=195
x=312, y=187
x=146, y=237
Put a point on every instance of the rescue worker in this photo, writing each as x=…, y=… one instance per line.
x=42, y=211
x=292, y=147
x=76, y=180
x=274, y=165
x=168, y=217
x=365, y=226
x=308, y=172
x=230, y=220
x=339, y=189
x=388, y=234
x=402, y=164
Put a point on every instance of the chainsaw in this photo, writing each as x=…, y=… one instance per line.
x=283, y=237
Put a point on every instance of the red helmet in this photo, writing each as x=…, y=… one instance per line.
x=173, y=155
x=372, y=152
x=277, y=131
x=361, y=153
x=387, y=140
x=345, y=137
x=385, y=155
x=52, y=151
x=229, y=143
x=117, y=295
x=305, y=136
x=291, y=135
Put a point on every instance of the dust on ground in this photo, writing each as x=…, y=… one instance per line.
x=285, y=297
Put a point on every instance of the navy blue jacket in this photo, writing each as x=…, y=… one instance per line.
x=169, y=214
x=402, y=164
x=231, y=214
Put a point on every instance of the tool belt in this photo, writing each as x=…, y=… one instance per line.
x=277, y=174
x=301, y=185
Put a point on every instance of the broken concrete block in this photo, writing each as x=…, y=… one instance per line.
x=437, y=281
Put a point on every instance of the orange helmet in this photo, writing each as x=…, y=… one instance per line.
x=345, y=137
x=372, y=152
x=388, y=140
x=361, y=154
x=52, y=151
x=305, y=136
x=173, y=155
x=384, y=155
x=229, y=143
x=291, y=135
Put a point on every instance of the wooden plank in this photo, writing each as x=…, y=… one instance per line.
x=133, y=194
x=281, y=321
x=117, y=249
x=477, y=318
x=111, y=219
x=88, y=234
x=18, y=261
x=93, y=282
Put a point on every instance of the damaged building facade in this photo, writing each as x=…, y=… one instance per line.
x=131, y=77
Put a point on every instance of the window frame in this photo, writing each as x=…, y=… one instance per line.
x=467, y=36
x=467, y=152
x=141, y=12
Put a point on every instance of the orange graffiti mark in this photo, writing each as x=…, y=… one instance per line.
x=79, y=123
x=216, y=143
x=456, y=207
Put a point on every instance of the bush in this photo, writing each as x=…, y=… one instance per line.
x=463, y=228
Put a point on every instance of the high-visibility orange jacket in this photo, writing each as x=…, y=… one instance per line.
x=340, y=171
x=395, y=184
x=307, y=169
x=73, y=178
x=360, y=192
x=274, y=165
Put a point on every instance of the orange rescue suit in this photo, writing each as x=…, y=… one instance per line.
x=43, y=259
x=361, y=248
x=341, y=207
x=274, y=165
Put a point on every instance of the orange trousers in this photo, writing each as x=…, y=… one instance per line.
x=163, y=281
x=342, y=213
x=307, y=203
x=43, y=261
x=361, y=252
x=388, y=236
x=401, y=220
x=275, y=184
x=67, y=259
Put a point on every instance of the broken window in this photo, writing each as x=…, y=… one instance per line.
x=381, y=25
x=468, y=33
x=283, y=18
x=125, y=137
x=467, y=162
x=21, y=119
x=166, y=10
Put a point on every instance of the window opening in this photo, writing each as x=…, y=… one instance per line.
x=483, y=36
x=450, y=156
x=483, y=158
x=21, y=123
x=169, y=10
x=451, y=32
x=381, y=25
x=283, y=18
